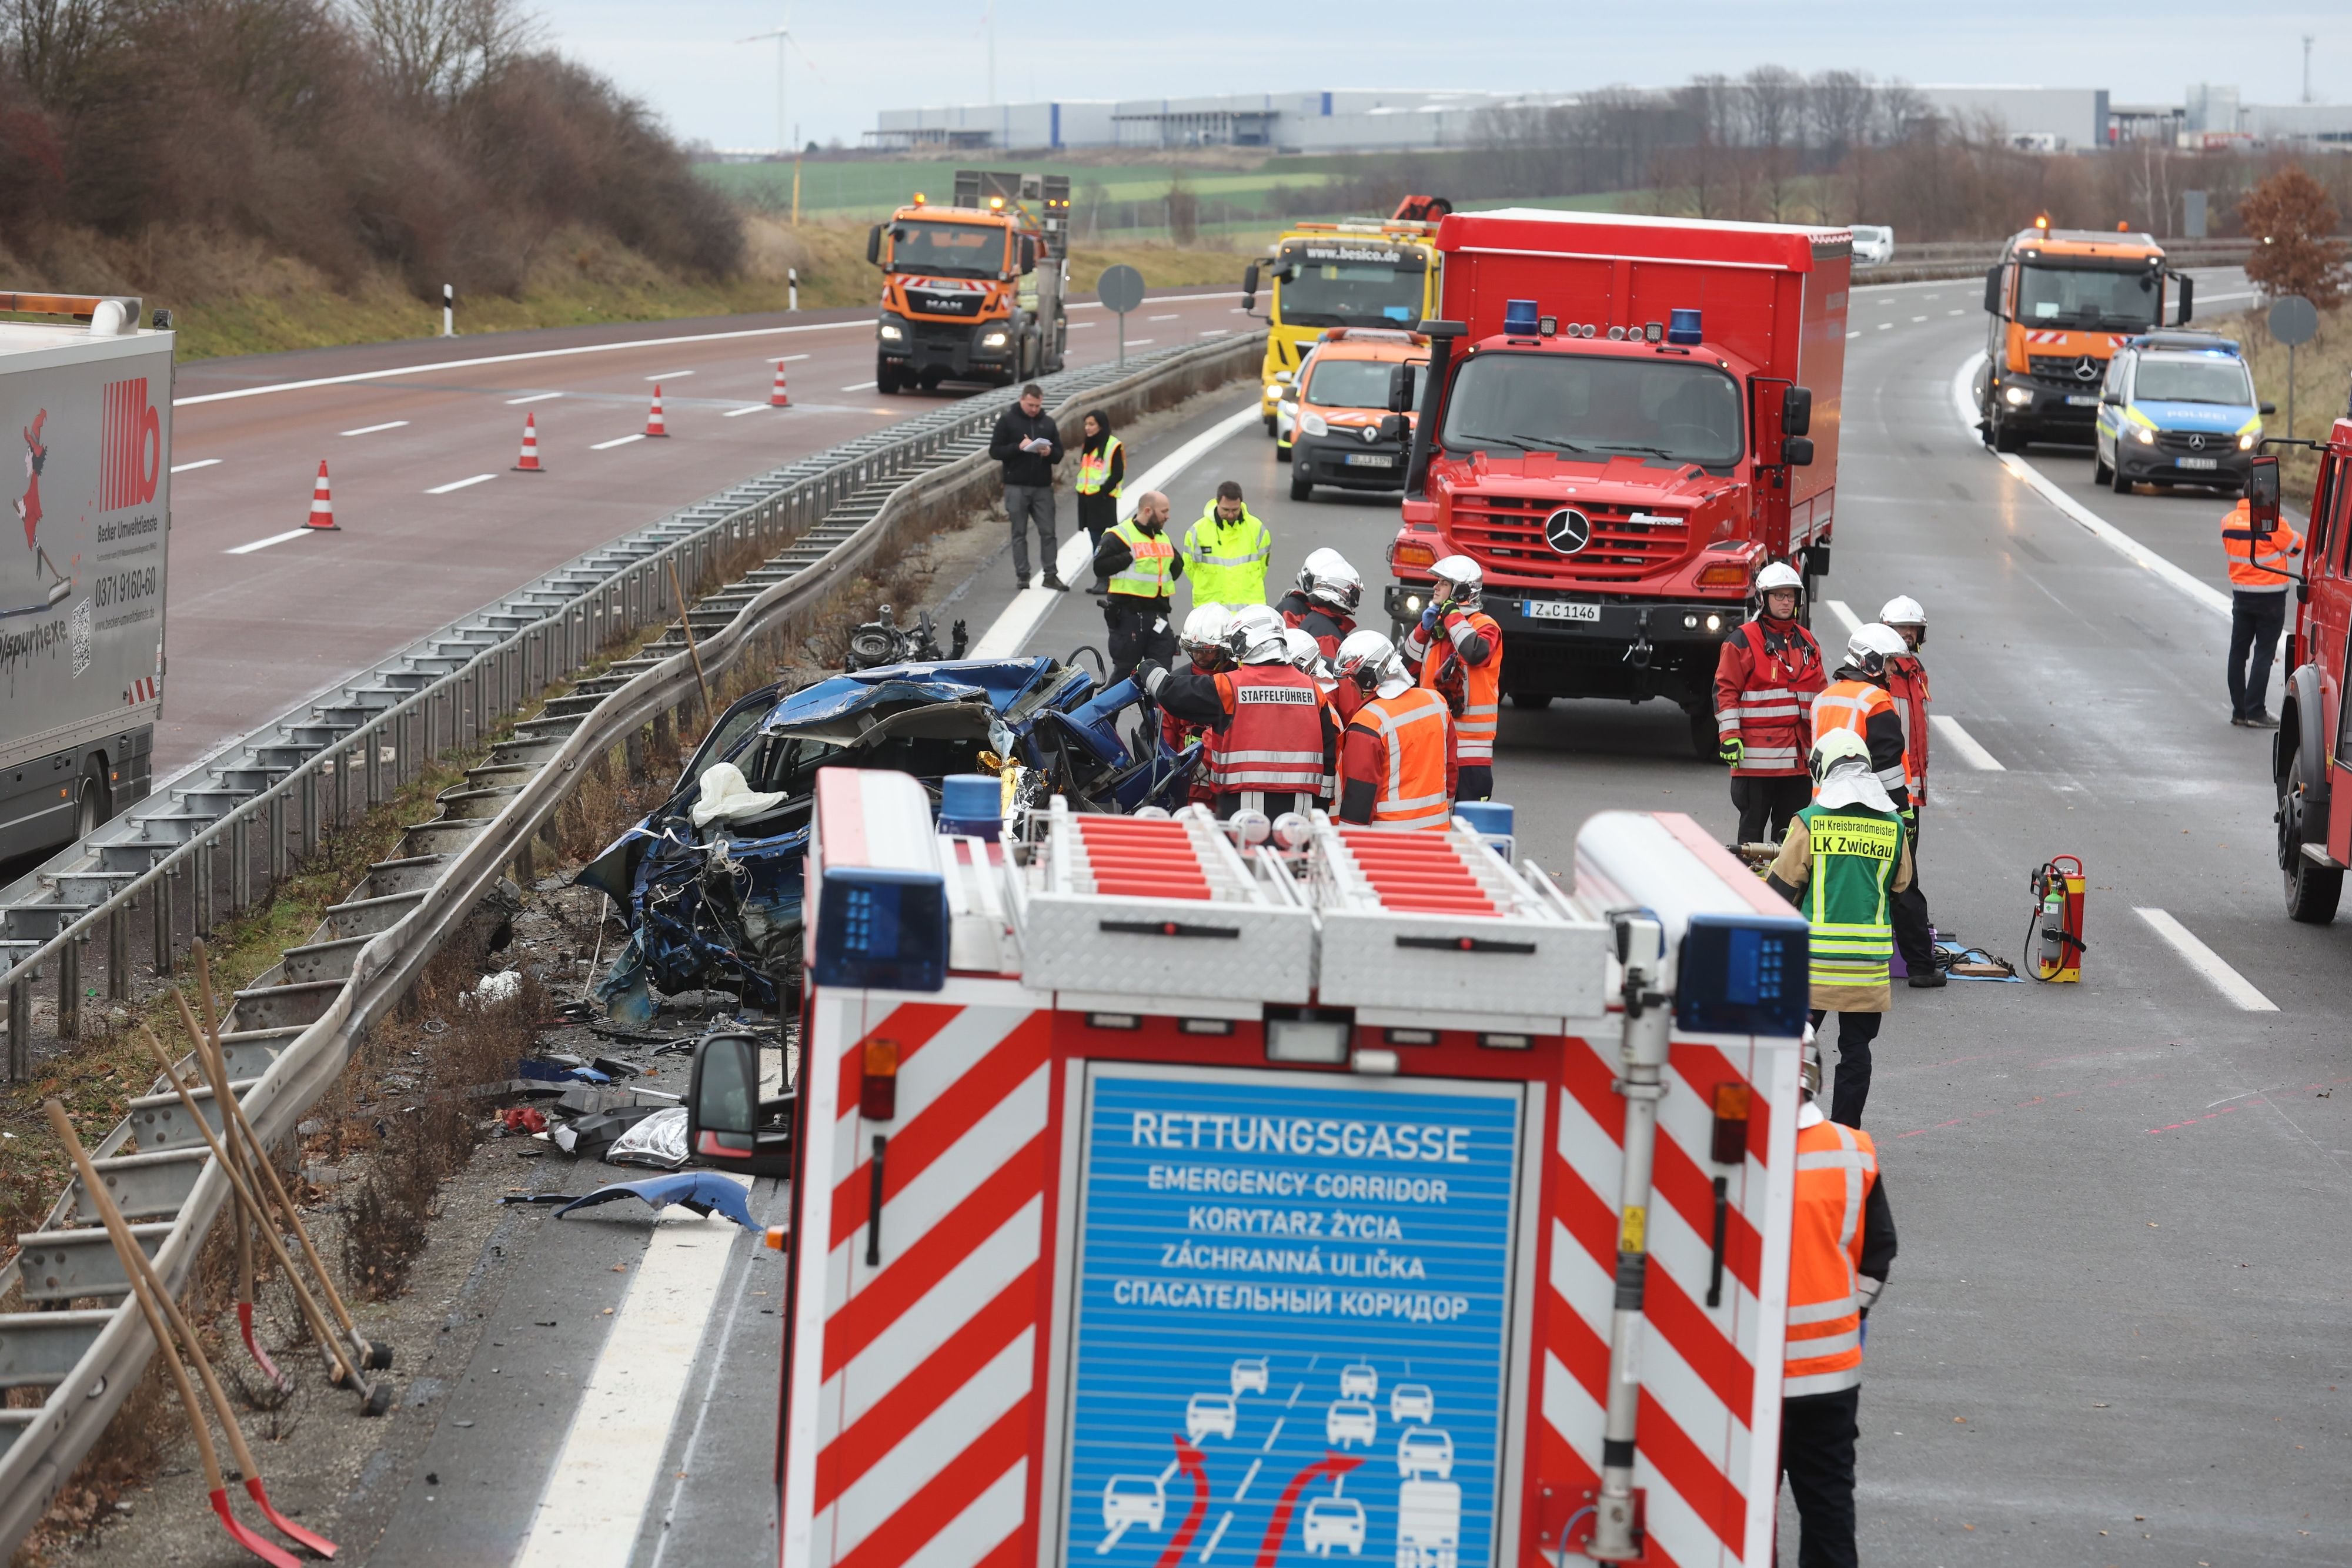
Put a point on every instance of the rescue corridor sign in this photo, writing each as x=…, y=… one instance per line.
x=1293, y=1296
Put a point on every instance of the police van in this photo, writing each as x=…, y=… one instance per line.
x=2178, y=408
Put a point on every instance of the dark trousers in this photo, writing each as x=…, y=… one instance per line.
x=1024, y=503
x=2255, y=621
x=1767, y=805
x=1474, y=781
x=1097, y=514
x=1914, y=936
x=1140, y=630
x=1855, y=1032
x=1817, y=1435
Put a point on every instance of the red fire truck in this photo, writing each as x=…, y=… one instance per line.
x=2314, y=749
x=1623, y=419
x=1162, y=1197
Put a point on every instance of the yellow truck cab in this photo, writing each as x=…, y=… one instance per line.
x=973, y=290
x=1344, y=275
x=2059, y=303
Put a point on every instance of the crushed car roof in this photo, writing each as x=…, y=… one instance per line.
x=997, y=682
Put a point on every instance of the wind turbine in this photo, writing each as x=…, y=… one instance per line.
x=786, y=140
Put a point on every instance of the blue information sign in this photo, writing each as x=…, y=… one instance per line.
x=1293, y=1319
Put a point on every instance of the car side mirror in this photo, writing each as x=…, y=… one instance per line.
x=2188, y=297
x=874, y=244
x=1797, y=451
x=1028, y=256
x=724, y=1113
x=2112, y=399
x=1401, y=380
x=2262, y=494
x=2266, y=406
x=1992, y=289
x=1286, y=377
x=1395, y=427
x=1797, y=410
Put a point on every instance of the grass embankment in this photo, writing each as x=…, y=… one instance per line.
x=2323, y=380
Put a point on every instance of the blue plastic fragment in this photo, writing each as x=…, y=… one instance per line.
x=701, y=1191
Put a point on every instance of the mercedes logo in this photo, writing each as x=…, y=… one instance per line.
x=2088, y=368
x=2196, y=444
x=1568, y=531
x=1372, y=434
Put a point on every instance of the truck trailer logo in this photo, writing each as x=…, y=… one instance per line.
x=130, y=446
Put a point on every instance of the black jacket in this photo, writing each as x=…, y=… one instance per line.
x=1013, y=428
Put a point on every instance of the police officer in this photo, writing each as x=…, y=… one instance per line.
x=1846, y=857
x=1269, y=735
x=1225, y=551
x=1841, y=1249
x=1906, y=682
x=1398, y=769
x=1141, y=566
x=1102, y=474
x=1456, y=650
x=1765, y=681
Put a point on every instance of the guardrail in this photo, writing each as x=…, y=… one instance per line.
x=317, y=794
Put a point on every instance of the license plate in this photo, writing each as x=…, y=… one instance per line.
x=2198, y=462
x=1370, y=460
x=2083, y=400
x=1558, y=609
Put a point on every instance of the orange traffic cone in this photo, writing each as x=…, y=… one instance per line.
x=529, y=461
x=778, y=398
x=323, y=505
x=654, y=425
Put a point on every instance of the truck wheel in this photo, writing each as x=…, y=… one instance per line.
x=2004, y=439
x=2312, y=891
x=1534, y=702
x=1302, y=488
x=1270, y=428
x=886, y=378
x=2100, y=472
x=93, y=802
x=1281, y=450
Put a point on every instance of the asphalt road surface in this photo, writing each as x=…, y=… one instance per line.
x=421, y=439
x=2115, y=1332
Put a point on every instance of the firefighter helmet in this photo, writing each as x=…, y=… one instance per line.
x=1204, y=626
x=1255, y=636
x=1461, y=582
x=1777, y=574
x=1838, y=745
x=1306, y=653
x=1870, y=647
x=1328, y=580
x=1369, y=659
x=1905, y=611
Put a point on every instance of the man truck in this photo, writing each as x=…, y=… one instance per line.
x=87, y=392
x=2058, y=305
x=1623, y=419
x=973, y=291
x=1343, y=275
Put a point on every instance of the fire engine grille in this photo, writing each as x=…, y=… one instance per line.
x=1506, y=533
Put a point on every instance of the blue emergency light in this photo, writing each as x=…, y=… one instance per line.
x=882, y=919
x=1682, y=327
x=971, y=805
x=1519, y=318
x=1743, y=975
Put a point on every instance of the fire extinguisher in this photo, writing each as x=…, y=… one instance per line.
x=2053, y=938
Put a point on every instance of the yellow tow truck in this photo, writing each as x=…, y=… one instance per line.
x=1328, y=275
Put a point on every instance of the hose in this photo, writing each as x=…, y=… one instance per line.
x=1102, y=665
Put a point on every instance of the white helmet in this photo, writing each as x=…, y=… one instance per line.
x=1905, y=611
x=1306, y=653
x=1327, y=578
x=1369, y=659
x=1838, y=745
x=1255, y=636
x=1870, y=647
x=1461, y=581
x=1777, y=574
x=1203, y=626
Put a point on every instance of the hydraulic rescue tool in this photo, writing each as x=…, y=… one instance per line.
x=2057, y=887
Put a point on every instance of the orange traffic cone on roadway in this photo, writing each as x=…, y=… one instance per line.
x=323, y=505
x=529, y=461
x=778, y=398
x=654, y=425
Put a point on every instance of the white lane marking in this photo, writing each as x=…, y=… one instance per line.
x=1215, y=1536
x=596, y=1495
x=1158, y=299
x=740, y=412
x=1961, y=740
x=789, y=358
x=1853, y=334
x=860, y=386
x=1170, y=316
x=1216, y=332
x=1011, y=631
x=535, y=397
x=460, y=483
x=2204, y=595
x=1844, y=611
x=668, y=376
x=358, y=376
x=1956, y=312
x=616, y=440
x=2207, y=962
x=1082, y=326
x=199, y=462
x=272, y=539
x=371, y=429
x=1916, y=319
x=1139, y=342
x=1886, y=326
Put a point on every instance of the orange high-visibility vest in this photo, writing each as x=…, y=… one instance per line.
x=1906, y=683
x=1848, y=705
x=1836, y=1167
x=1275, y=739
x=1473, y=733
x=2258, y=563
x=1410, y=793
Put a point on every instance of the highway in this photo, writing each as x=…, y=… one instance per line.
x=421, y=440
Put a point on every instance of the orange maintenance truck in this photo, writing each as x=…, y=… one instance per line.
x=972, y=291
x=2058, y=303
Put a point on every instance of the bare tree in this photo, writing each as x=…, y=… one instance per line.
x=443, y=49
x=53, y=44
x=1772, y=103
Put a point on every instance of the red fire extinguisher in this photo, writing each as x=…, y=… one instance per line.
x=2054, y=941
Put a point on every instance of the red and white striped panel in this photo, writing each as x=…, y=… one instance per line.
x=911, y=1408
x=1707, y=1437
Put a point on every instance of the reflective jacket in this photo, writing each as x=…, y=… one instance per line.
x=1328, y=627
x=1765, y=682
x=2258, y=563
x=1273, y=740
x=1225, y=562
x=1857, y=853
x=1469, y=672
x=1100, y=469
x=1398, y=762
x=1842, y=1226
x=1149, y=572
x=1865, y=708
x=1906, y=683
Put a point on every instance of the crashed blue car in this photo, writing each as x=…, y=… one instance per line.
x=717, y=905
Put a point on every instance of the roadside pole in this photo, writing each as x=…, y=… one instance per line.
x=2294, y=320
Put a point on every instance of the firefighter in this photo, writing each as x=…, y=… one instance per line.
x=1397, y=763
x=2260, y=567
x=1306, y=654
x=1906, y=682
x=1765, y=682
x=1324, y=602
x=1847, y=854
x=1465, y=667
x=1204, y=643
x=1841, y=1249
x=1858, y=700
x=1141, y=566
x=1225, y=550
x=1269, y=733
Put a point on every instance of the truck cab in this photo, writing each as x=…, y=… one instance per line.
x=2177, y=408
x=2311, y=766
x=973, y=290
x=2058, y=305
x=1345, y=275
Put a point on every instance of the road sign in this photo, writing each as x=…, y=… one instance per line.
x=2293, y=321
x=1120, y=289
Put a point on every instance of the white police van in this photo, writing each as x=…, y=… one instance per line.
x=2178, y=408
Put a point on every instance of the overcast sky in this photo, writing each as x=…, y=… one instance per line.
x=681, y=55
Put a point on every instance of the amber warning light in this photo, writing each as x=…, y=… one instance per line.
x=878, y=1090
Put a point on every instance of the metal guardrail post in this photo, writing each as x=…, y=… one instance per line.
x=240, y=864
x=309, y=816
x=342, y=763
x=70, y=991
x=424, y=746
x=277, y=838
x=20, y=1030
x=201, y=912
x=373, y=741
x=117, y=953
x=163, y=933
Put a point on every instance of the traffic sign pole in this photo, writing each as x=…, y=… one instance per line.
x=1120, y=289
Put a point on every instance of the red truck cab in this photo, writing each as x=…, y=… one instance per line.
x=2312, y=763
x=1624, y=419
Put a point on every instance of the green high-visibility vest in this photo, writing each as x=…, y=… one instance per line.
x=1150, y=574
x=1225, y=562
x=1855, y=853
